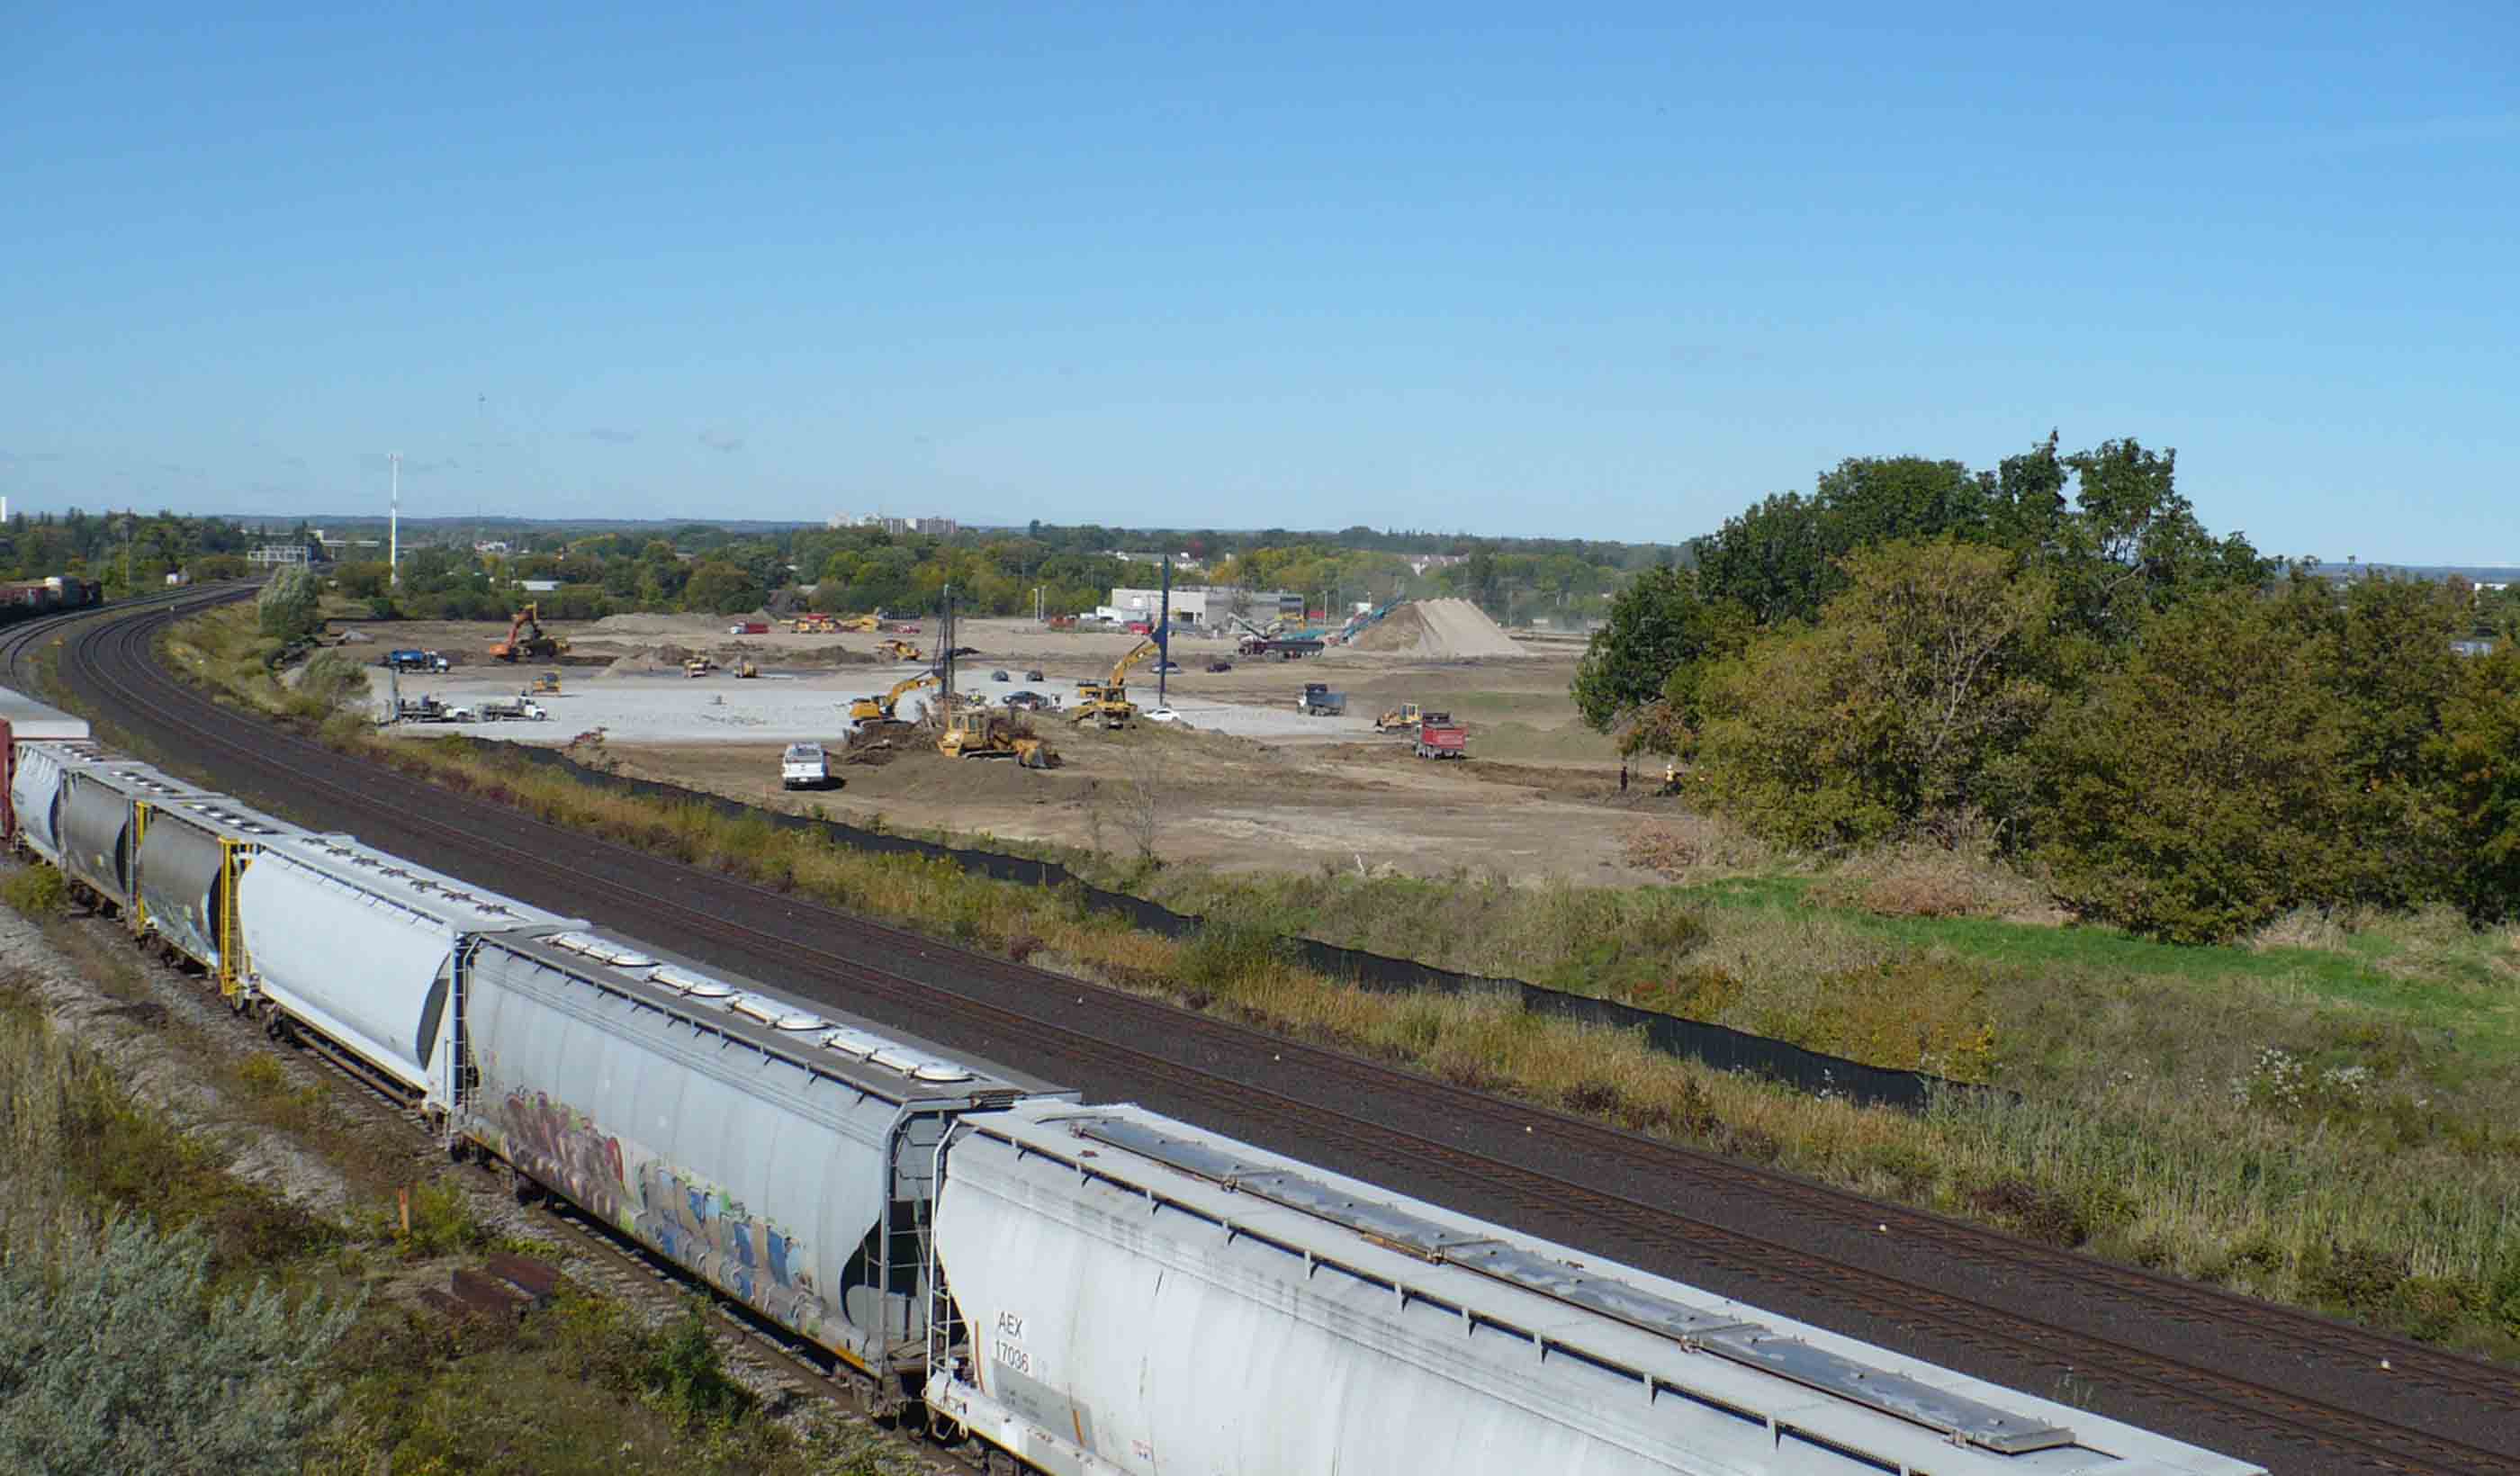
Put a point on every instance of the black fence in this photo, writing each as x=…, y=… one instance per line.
x=1715, y=1046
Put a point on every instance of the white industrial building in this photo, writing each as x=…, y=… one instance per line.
x=1206, y=607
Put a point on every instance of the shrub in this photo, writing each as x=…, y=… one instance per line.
x=1223, y=955
x=193, y=1382
x=37, y=890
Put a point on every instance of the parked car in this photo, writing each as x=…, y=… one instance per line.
x=1219, y=666
x=1167, y=666
x=1027, y=698
x=1034, y=675
x=1162, y=715
x=996, y=676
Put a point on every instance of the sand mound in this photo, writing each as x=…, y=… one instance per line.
x=1441, y=630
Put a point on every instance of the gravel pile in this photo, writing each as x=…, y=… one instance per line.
x=1441, y=630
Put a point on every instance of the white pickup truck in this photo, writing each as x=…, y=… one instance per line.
x=804, y=766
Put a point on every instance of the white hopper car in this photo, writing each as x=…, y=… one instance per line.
x=1132, y=1295
x=1088, y=1289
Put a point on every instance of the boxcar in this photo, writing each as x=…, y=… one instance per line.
x=1132, y=1294
x=783, y=1155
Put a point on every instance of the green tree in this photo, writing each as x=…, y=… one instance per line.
x=2478, y=753
x=1660, y=634
x=287, y=606
x=364, y=579
x=723, y=589
x=1887, y=716
x=2133, y=545
x=2382, y=650
x=2194, y=791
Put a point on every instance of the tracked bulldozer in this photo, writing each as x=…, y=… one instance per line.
x=977, y=733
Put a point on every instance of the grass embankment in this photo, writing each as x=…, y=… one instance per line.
x=251, y=1334
x=2323, y=1120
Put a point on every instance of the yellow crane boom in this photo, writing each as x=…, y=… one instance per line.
x=1107, y=701
x=880, y=709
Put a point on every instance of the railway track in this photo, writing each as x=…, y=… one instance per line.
x=2293, y=1391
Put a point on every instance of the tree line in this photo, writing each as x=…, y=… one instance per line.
x=707, y=569
x=2183, y=735
x=123, y=551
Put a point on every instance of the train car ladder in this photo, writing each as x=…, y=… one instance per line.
x=140, y=809
x=234, y=966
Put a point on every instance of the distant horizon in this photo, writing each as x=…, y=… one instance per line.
x=2471, y=571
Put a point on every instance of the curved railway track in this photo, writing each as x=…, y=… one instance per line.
x=2293, y=1391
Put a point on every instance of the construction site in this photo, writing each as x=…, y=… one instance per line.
x=1273, y=762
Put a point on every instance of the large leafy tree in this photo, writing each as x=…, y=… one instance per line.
x=2191, y=792
x=1886, y=716
x=1660, y=633
x=2133, y=545
x=2478, y=751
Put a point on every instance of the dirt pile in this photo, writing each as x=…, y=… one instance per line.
x=648, y=661
x=672, y=625
x=1439, y=630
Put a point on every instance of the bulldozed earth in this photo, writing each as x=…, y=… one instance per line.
x=1241, y=783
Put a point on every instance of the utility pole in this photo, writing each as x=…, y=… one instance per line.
x=1165, y=633
x=945, y=652
x=393, y=523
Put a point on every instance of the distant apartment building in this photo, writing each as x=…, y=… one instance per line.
x=1419, y=563
x=493, y=546
x=896, y=527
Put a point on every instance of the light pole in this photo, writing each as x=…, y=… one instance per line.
x=393, y=523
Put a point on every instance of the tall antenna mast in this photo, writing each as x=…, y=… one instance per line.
x=393, y=523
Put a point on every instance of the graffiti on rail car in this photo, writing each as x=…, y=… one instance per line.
x=642, y=1195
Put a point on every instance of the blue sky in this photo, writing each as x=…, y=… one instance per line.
x=1608, y=271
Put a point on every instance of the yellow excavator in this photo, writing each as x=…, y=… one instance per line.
x=525, y=638
x=1107, y=701
x=899, y=650
x=977, y=733
x=880, y=709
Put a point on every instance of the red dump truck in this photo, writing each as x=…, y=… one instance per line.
x=1439, y=737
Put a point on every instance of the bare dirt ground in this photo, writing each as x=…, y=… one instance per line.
x=1249, y=786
